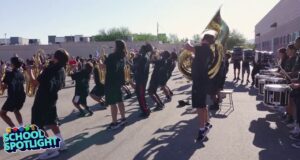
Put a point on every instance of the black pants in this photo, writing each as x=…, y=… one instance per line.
x=140, y=90
x=253, y=73
x=297, y=102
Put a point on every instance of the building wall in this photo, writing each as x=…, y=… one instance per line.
x=286, y=14
x=75, y=49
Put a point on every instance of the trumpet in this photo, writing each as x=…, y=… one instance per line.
x=2, y=76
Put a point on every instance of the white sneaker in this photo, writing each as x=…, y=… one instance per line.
x=63, y=146
x=49, y=153
x=292, y=125
x=296, y=130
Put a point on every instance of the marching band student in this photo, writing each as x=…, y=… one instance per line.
x=141, y=65
x=82, y=79
x=296, y=97
x=14, y=81
x=170, y=67
x=44, y=112
x=114, y=80
x=166, y=72
x=245, y=68
x=282, y=55
x=157, y=79
x=97, y=92
x=291, y=52
x=201, y=82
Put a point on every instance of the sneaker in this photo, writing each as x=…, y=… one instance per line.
x=81, y=114
x=113, y=126
x=159, y=107
x=122, y=122
x=202, y=135
x=208, y=125
x=63, y=146
x=145, y=114
x=295, y=131
x=295, y=137
x=49, y=153
x=90, y=113
x=296, y=145
x=171, y=93
x=291, y=125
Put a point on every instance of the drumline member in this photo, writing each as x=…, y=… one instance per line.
x=291, y=52
x=296, y=97
x=141, y=64
x=113, y=83
x=82, y=79
x=236, y=66
x=97, y=92
x=245, y=68
x=201, y=81
x=16, y=96
x=283, y=57
x=44, y=112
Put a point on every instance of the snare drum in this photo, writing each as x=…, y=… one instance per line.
x=276, y=80
x=259, y=77
x=276, y=95
x=261, y=84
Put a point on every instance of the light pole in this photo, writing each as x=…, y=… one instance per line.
x=5, y=38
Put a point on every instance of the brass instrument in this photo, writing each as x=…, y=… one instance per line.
x=32, y=73
x=2, y=76
x=101, y=70
x=218, y=27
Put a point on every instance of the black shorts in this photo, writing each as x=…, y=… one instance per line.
x=236, y=65
x=80, y=100
x=14, y=104
x=98, y=91
x=198, y=99
x=113, y=95
x=245, y=69
x=44, y=116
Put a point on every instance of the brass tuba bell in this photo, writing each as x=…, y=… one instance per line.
x=31, y=73
x=2, y=76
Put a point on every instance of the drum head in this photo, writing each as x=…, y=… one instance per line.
x=277, y=87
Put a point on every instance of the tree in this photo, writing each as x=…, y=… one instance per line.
x=235, y=39
x=144, y=37
x=173, y=38
x=113, y=34
x=196, y=38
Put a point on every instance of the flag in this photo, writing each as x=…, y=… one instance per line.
x=221, y=29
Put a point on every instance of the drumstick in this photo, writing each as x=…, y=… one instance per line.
x=285, y=74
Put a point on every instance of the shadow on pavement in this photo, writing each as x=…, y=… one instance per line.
x=83, y=140
x=175, y=142
x=272, y=137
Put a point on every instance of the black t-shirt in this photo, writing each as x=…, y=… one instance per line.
x=114, y=70
x=245, y=64
x=96, y=77
x=82, y=79
x=290, y=64
x=200, y=65
x=141, y=68
x=158, y=71
x=50, y=82
x=15, y=83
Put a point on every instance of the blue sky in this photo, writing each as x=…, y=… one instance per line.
x=40, y=18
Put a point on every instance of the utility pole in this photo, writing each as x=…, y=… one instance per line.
x=5, y=39
x=157, y=30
